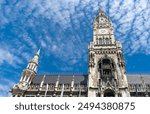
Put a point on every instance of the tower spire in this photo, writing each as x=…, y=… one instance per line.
x=103, y=30
x=36, y=57
x=38, y=52
x=29, y=73
x=101, y=12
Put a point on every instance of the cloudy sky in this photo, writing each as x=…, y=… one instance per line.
x=63, y=30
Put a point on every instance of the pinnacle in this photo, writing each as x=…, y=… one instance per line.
x=101, y=11
x=38, y=52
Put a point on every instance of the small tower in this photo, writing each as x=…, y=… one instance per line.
x=72, y=87
x=56, y=86
x=27, y=76
x=106, y=69
x=41, y=86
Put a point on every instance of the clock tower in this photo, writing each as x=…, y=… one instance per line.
x=103, y=30
x=106, y=69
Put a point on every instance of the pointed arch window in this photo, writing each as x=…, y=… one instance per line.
x=106, y=69
x=105, y=61
x=100, y=41
x=97, y=41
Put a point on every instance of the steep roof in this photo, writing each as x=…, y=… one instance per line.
x=138, y=79
x=82, y=78
x=63, y=79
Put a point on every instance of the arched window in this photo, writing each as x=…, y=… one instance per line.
x=106, y=69
x=106, y=61
x=107, y=41
x=97, y=41
x=104, y=40
x=100, y=41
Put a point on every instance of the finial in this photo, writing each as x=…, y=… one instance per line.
x=44, y=77
x=58, y=77
x=72, y=83
x=36, y=56
x=142, y=79
x=73, y=78
x=101, y=13
x=38, y=52
x=101, y=10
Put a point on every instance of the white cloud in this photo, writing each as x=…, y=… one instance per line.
x=43, y=44
x=5, y=86
x=130, y=19
x=129, y=16
x=30, y=43
x=6, y=56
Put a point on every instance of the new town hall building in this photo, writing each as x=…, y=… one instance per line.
x=106, y=72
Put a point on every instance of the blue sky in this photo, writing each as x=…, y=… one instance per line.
x=63, y=30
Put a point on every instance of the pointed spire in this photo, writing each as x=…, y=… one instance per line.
x=42, y=82
x=72, y=83
x=33, y=64
x=44, y=77
x=38, y=52
x=73, y=78
x=101, y=13
x=102, y=20
x=57, y=82
x=58, y=77
x=36, y=56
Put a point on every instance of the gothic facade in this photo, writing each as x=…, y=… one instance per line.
x=106, y=72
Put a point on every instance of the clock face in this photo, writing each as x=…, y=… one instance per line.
x=103, y=31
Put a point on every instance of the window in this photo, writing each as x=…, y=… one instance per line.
x=106, y=68
x=106, y=72
x=59, y=86
x=104, y=41
x=51, y=86
x=100, y=41
x=76, y=86
x=97, y=41
x=29, y=66
x=67, y=86
x=36, y=86
x=107, y=41
x=106, y=62
x=35, y=68
x=25, y=78
x=32, y=87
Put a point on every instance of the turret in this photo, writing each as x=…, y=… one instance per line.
x=72, y=87
x=29, y=73
x=56, y=86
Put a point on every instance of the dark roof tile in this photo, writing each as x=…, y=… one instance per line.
x=82, y=79
x=63, y=79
